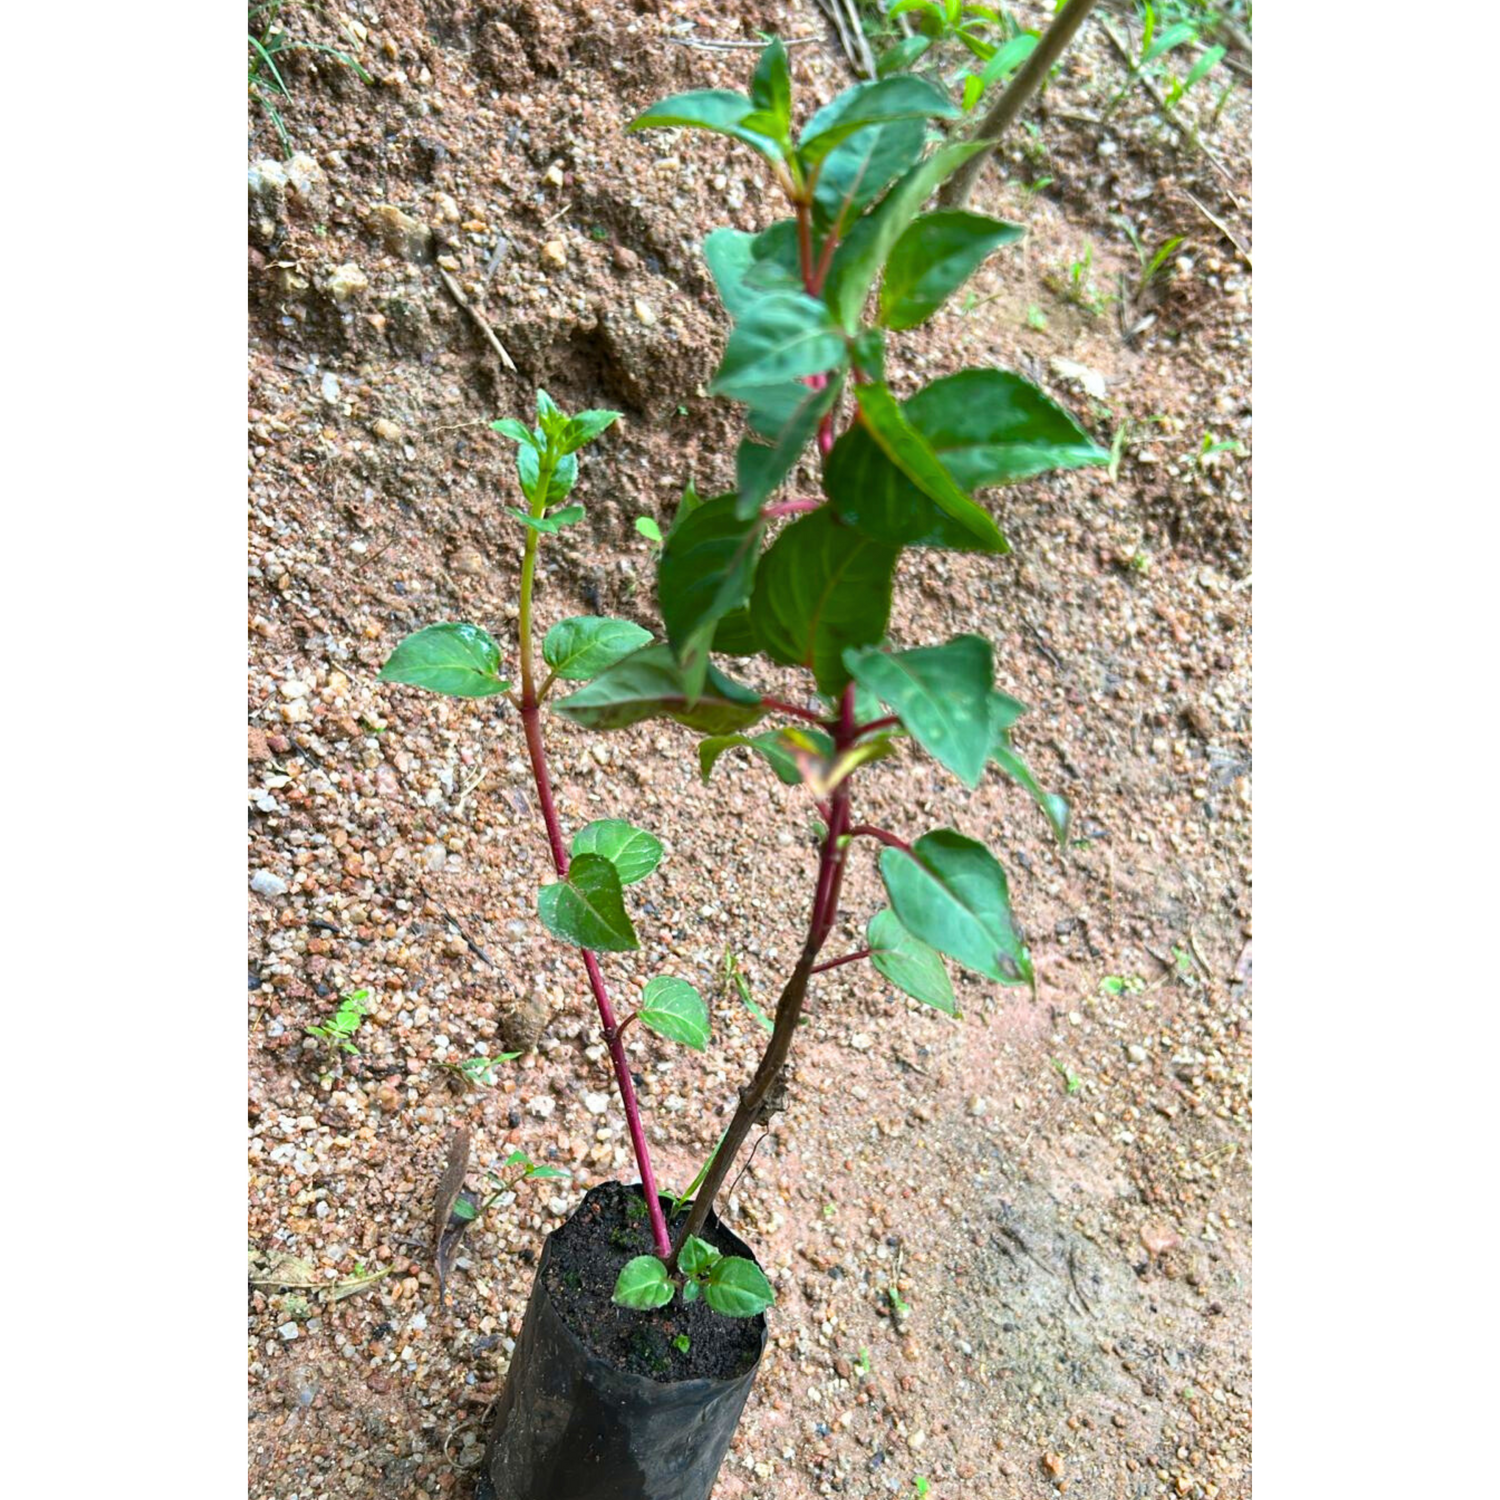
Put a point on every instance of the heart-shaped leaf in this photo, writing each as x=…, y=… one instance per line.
x=952, y=894
x=697, y=1256
x=588, y=908
x=674, y=1009
x=581, y=647
x=643, y=1283
x=737, y=1287
x=821, y=588
x=459, y=660
x=632, y=851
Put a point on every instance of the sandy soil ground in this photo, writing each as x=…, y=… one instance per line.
x=1012, y=1251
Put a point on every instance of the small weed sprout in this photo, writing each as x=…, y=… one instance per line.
x=266, y=83
x=338, y=1030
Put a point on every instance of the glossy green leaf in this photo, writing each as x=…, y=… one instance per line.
x=899, y=56
x=547, y=525
x=987, y=427
x=771, y=88
x=1006, y=59
x=914, y=456
x=777, y=747
x=632, y=851
x=869, y=104
x=781, y=336
x=459, y=660
x=588, y=908
x=914, y=967
x=820, y=589
x=650, y=685
x=559, y=486
x=706, y=570
x=582, y=646
x=941, y=695
x=1173, y=36
x=674, y=1009
x=856, y=172
x=720, y=110
x=935, y=255
x=734, y=635
x=584, y=428
x=737, y=1288
x=517, y=432
x=858, y=260
x=648, y=528
x=760, y=470
x=697, y=1256
x=745, y=267
x=690, y=1292
x=643, y=1283
x=952, y=894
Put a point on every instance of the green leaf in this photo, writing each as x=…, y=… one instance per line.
x=914, y=967
x=856, y=172
x=986, y=427
x=649, y=685
x=533, y=1173
x=759, y=470
x=517, y=432
x=747, y=266
x=1205, y=64
x=737, y=1288
x=952, y=894
x=643, y=1283
x=697, y=1256
x=674, y=1009
x=459, y=660
x=548, y=525
x=706, y=570
x=560, y=484
x=735, y=636
x=820, y=589
x=690, y=1291
x=464, y=1210
x=584, y=428
x=781, y=336
x=869, y=104
x=583, y=646
x=913, y=455
x=771, y=88
x=588, y=908
x=648, y=529
x=858, y=260
x=941, y=694
x=720, y=110
x=1173, y=36
x=936, y=254
x=1055, y=807
x=632, y=851
x=899, y=56
x=776, y=747
x=1005, y=60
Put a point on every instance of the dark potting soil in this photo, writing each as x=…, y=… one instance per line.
x=587, y=1252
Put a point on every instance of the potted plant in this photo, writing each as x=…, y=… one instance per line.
x=611, y=1391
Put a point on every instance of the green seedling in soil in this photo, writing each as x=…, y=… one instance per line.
x=682, y=1343
x=649, y=529
x=1070, y=1079
x=339, y=1029
x=900, y=1308
x=937, y=29
x=1076, y=285
x=1210, y=448
x=517, y=1168
x=1160, y=36
x=1121, y=984
x=920, y=1487
x=479, y=1072
x=1151, y=262
x=686, y=1196
x=803, y=582
x=268, y=41
x=1037, y=319
x=734, y=975
x=1128, y=433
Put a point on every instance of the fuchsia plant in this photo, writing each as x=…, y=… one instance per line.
x=813, y=594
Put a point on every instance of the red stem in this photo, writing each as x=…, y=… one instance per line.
x=875, y=724
x=869, y=830
x=834, y=963
x=790, y=508
x=531, y=720
x=783, y=707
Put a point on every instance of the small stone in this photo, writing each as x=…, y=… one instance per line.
x=260, y=746
x=385, y=430
x=1136, y=1053
x=264, y=883
x=1053, y=1464
x=346, y=281
x=288, y=1330
x=979, y=1106
x=555, y=174
x=1158, y=1239
x=555, y=253
x=403, y=235
x=330, y=388
x=447, y=208
x=596, y=1104
x=861, y=1041
x=542, y=1106
x=645, y=312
